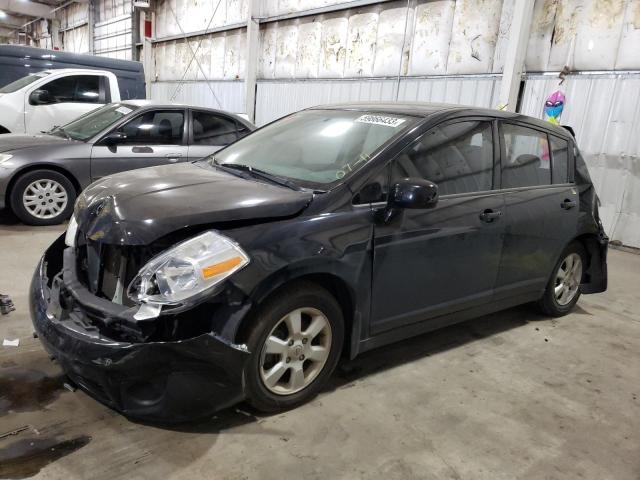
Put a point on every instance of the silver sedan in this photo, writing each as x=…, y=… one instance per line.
x=41, y=175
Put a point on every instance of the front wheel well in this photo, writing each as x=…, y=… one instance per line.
x=54, y=168
x=337, y=287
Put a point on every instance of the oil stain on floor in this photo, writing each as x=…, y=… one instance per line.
x=24, y=389
x=26, y=457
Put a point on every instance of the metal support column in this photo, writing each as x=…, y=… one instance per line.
x=253, y=32
x=515, y=54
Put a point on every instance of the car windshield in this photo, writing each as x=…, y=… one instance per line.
x=94, y=122
x=317, y=147
x=23, y=82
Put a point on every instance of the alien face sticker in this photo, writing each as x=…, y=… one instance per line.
x=553, y=107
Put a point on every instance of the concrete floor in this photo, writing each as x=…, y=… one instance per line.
x=507, y=396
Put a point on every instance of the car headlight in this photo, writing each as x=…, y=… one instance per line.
x=186, y=270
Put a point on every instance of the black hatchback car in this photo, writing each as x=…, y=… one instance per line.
x=183, y=289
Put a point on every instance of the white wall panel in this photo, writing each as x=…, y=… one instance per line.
x=286, y=51
x=334, y=47
x=431, y=37
x=629, y=51
x=541, y=35
x=605, y=113
x=598, y=35
x=474, y=36
x=308, y=56
x=267, y=57
x=361, y=44
x=389, y=42
x=230, y=94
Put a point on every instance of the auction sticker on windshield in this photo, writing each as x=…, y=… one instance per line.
x=381, y=120
x=124, y=110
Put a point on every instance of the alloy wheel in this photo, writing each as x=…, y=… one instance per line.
x=295, y=351
x=568, y=277
x=45, y=199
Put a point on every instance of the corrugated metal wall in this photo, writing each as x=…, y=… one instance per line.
x=278, y=98
x=230, y=94
x=604, y=110
x=74, y=28
x=112, y=32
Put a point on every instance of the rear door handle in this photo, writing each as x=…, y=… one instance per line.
x=173, y=157
x=568, y=204
x=489, y=215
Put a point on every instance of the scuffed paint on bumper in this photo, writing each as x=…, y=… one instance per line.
x=155, y=381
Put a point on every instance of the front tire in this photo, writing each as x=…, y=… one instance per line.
x=295, y=343
x=43, y=197
x=563, y=289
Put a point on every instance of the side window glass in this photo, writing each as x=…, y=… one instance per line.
x=210, y=129
x=159, y=127
x=74, y=88
x=375, y=190
x=527, y=160
x=559, y=160
x=87, y=89
x=458, y=157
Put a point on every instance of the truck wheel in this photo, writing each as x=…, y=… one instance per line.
x=563, y=289
x=295, y=343
x=43, y=197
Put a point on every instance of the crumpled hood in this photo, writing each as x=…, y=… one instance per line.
x=16, y=141
x=140, y=206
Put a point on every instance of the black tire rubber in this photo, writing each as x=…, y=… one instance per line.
x=303, y=294
x=548, y=304
x=23, y=182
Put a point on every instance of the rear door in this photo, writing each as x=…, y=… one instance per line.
x=541, y=209
x=436, y=261
x=210, y=131
x=64, y=99
x=153, y=137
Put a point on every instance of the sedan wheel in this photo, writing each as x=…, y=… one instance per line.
x=568, y=279
x=295, y=351
x=45, y=199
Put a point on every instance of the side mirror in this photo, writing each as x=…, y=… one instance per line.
x=114, y=138
x=413, y=193
x=41, y=97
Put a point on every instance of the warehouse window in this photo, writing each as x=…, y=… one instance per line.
x=210, y=129
x=458, y=157
x=559, y=160
x=527, y=160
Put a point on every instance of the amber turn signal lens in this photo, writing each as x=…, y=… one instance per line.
x=218, y=268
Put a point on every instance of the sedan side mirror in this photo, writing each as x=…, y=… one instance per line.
x=114, y=138
x=41, y=97
x=413, y=193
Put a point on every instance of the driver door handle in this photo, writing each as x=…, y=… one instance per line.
x=173, y=157
x=489, y=215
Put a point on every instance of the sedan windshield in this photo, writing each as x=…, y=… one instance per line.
x=23, y=82
x=318, y=147
x=94, y=122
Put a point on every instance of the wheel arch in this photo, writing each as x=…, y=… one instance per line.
x=42, y=166
x=333, y=283
x=595, y=273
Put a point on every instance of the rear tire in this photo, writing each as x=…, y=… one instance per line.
x=43, y=197
x=563, y=290
x=290, y=364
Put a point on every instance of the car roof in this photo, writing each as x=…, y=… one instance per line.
x=427, y=109
x=74, y=70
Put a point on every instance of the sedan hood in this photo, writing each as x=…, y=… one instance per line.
x=140, y=206
x=14, y=141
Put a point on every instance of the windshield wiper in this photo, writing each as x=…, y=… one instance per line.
x=58, y=129
x=259, y=173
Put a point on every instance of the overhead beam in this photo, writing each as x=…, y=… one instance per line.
x=11, y=20
x=30, y=9
x=515, y=54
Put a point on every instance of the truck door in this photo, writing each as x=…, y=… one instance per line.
x=63, y=99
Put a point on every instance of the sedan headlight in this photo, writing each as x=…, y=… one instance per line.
x=186, y=270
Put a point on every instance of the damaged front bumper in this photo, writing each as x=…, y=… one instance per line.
x=166, y=381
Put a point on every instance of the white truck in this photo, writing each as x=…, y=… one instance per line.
x=40, y=101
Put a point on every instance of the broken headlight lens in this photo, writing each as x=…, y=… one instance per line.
x=186, y=270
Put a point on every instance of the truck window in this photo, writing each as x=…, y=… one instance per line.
x=76, y=89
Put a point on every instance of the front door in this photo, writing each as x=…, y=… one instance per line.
x=154, y=137
x=541, y=213
x=445, y=259
x=64, y=99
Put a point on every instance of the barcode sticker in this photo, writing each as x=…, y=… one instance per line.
x=124, y=110
x=381, y=120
